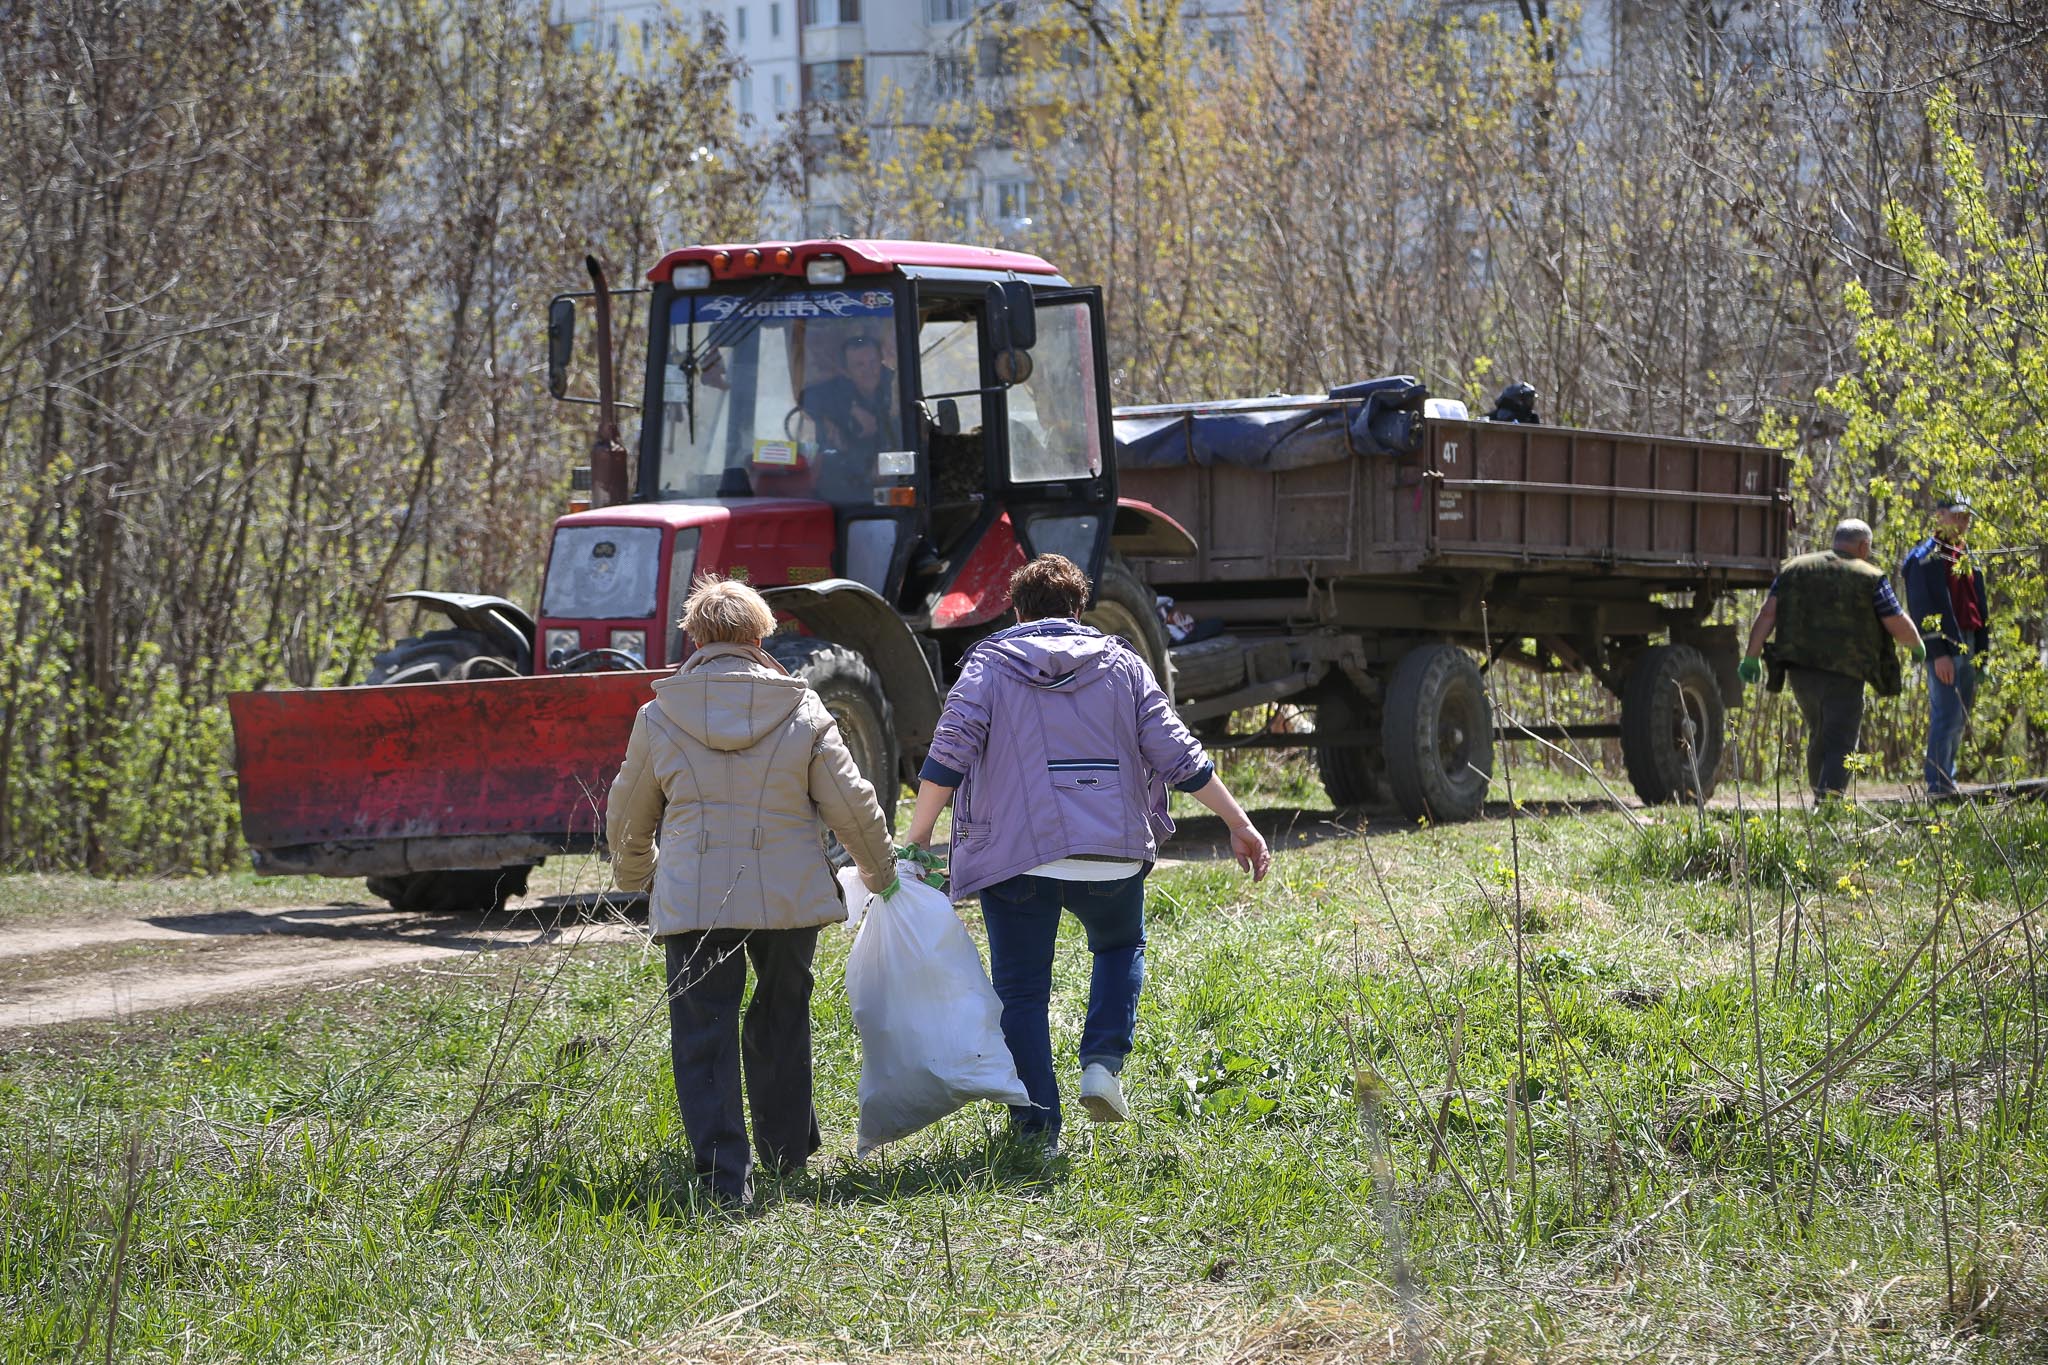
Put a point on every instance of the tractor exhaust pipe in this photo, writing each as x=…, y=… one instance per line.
x=607, y=451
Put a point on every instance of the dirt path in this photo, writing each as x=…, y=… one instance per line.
x=109, y=964
x=58, y=972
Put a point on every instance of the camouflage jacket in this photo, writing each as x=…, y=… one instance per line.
x=1827, y=619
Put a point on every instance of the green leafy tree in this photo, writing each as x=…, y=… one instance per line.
x=1952, y=395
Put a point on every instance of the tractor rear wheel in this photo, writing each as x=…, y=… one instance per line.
x=446, y=656
x=1126, y=608
x=853, y=694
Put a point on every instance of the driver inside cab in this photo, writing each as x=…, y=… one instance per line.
x=857, y=418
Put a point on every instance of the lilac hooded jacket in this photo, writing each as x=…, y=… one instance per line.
x=1061, y=743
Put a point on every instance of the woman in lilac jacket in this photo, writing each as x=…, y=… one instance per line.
x=1060, y=747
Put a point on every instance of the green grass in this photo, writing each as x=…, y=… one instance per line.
x=487, y=1162
x=52, y=895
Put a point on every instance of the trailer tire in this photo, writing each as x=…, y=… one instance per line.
x=1207, y=668
x=1351, y=773
x=853, y=693
x=446, y=656
x=463, y=891
x=1670, y=690
x=1126, y=608
x=1437, y=733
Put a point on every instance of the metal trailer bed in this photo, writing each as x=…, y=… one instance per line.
x=1354, y=553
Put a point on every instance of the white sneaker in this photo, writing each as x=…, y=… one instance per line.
x=1102, y=1095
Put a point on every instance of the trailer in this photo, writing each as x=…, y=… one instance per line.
x=1361, y=558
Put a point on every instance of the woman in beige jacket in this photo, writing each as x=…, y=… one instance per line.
x=731, y=766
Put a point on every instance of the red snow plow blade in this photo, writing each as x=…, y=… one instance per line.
x=375, y=781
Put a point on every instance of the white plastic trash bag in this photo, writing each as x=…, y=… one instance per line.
x=855, y=893
x=931, y=1034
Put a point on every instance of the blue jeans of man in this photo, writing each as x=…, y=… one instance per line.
x=1948, y=706
x=1023, y=919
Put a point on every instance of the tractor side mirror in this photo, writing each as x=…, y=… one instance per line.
x=561, y=344
x=946, y=417
x=1012, y=330
x=1022, y=311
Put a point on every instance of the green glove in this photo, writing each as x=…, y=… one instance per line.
x=934, y=874
x=1750, y=670
x=1919, y=652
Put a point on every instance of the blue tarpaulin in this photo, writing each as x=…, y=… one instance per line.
x=1376, y=417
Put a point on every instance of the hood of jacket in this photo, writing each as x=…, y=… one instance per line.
x=1052, y=655
x=727, y=697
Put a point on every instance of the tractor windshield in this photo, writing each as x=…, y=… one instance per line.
x=781, y=392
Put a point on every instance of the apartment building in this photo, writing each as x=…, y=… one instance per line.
x=892, y=65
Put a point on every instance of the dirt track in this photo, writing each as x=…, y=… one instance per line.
x=109, y=967
x=95, y=965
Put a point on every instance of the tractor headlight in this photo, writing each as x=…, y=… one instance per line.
x=825, y=270
x=563, y=642
x=633, y=642
x=695, y=275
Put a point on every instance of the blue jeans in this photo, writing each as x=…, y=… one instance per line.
x=1023, y=919
x=1948, y=706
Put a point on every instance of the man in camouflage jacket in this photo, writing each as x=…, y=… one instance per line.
x=1831, y=611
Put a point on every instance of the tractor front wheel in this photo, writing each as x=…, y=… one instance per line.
x=446, y=656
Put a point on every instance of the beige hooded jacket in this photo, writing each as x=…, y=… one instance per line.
x=732, y=764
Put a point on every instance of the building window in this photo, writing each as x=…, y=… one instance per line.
x=739, y=23
x=995, y=57
x=831, y=82
x=961, y=211
x=1013, y=200
x=821, y=220
x=945, y=11
x=779, y=90
x=775, y=21
x=952, y=75
x=807, y=13
x=743, y=95
x=849, y=11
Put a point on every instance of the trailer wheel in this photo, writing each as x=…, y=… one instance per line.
x=1672, y=722
x=853, y=694
x=1351, y=773
x=1207, y=668
x=446, y=656
x=1438, y=734
x=1126, y=608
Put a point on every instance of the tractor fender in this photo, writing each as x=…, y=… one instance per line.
x=852, y=614
x=1142, y=531
x=503, y=623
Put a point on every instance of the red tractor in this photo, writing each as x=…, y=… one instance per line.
x=872, y=433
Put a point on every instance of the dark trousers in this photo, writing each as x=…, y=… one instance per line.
x=711, y=1047
x=1832, y=705
x=1023, y=919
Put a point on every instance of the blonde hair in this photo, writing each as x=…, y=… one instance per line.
x=724, y=611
